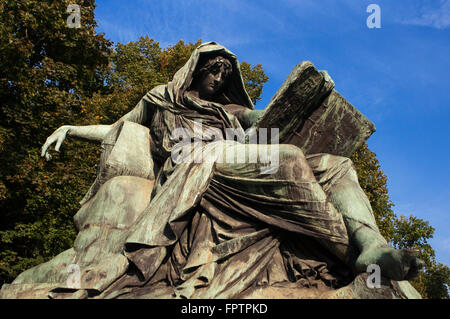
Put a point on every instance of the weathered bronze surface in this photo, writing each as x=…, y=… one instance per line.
x=204, y=227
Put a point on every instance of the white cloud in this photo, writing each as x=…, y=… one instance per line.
x=438, y=18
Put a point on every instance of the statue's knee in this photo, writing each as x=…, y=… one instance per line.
x=293, y=163
x=341, y=163
x=339, y=160
x=348, y=176
x=290, y=152
x=347, y=161
x=347, y=164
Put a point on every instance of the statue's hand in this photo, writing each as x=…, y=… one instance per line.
x=57, y=137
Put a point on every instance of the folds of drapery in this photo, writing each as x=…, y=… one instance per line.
x=214, y=229
x=211, y=232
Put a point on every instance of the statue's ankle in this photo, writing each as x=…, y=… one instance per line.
x=367, y=239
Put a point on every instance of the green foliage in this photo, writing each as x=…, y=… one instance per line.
x=413, y=232
x=254, y=79
x=433, y=282
x=437, y=282
x=46, y=70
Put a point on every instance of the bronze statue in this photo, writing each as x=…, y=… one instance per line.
x=153, y=226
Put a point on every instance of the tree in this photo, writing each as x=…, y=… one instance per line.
x=413, y=232
x=46, y=71
x=254, y=79
x=437, y=282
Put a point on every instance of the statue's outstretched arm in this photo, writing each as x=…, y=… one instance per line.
x=93, y=133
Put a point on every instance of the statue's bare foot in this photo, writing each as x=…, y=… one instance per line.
x=395, y=264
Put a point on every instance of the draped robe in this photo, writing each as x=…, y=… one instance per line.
x=214, y=229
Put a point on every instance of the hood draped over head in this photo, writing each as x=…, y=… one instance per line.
x=234, y=90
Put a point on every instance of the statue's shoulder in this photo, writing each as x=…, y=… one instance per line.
x=158, y=91
x=158, y=96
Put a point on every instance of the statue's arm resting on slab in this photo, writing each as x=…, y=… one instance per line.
x=93, y=133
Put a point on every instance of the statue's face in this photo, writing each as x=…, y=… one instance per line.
x=212, y=80
x=212, y=76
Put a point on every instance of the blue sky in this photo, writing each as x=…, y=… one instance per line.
x=398, y=75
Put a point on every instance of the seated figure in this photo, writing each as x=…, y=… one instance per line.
x=198, y=225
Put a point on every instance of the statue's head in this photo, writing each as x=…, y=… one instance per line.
x=212, y=75
x=213, y=72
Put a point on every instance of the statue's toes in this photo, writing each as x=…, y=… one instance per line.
x=411, y=258
x=412, y=263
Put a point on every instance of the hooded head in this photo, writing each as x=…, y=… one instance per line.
x=211, y=77
x=225, y=83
